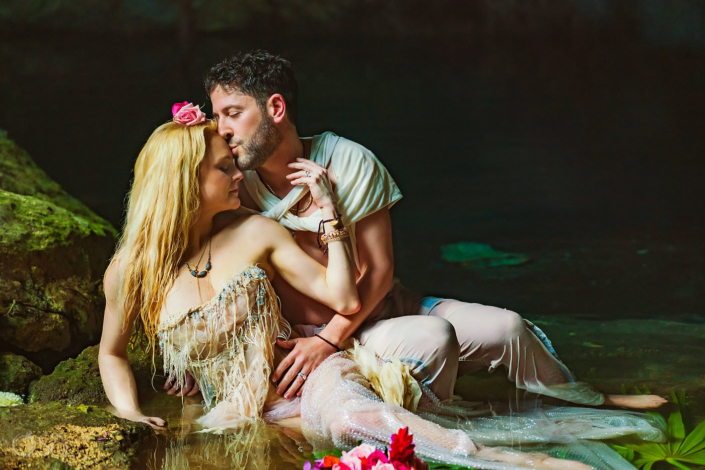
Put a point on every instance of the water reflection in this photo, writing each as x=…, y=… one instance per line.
x=256, y=446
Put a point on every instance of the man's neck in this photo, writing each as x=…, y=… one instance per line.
x=275, y=169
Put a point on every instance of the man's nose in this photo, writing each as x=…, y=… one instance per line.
x=224, y=132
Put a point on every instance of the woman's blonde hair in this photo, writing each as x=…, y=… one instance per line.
x=161, y=210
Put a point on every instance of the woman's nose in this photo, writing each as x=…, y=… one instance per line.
x=238, y=175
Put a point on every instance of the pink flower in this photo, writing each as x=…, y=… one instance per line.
x=363, y=450
x=187, y=114
x=383, y=466
x=377, y=456
x=352, y=462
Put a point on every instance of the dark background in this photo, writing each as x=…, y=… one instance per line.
x=570, y=131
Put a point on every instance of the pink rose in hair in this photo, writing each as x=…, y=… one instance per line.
x=188, y=114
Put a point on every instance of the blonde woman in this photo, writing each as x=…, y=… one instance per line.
x=177, y=254
x=196, y=277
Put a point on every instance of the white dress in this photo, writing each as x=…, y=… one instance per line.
x=227, y=344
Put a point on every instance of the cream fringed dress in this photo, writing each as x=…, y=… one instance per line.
x=228, y=345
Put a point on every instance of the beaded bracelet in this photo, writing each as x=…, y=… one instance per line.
x=335, y=236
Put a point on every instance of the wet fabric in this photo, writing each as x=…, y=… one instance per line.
x=339, y=408
x=454, y=338
x=228, y=345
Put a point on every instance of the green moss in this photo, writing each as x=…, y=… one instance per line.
x=53, y=253
x=77, y=381
x=20, y=175
x=31, y=224
x=73, y=430
x=17, y=373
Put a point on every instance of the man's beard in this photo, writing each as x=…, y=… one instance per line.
x=256, y=150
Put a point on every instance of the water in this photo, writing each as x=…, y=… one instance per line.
x=584, y=155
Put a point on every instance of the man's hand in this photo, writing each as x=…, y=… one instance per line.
x=189, y=389
x=307, y=354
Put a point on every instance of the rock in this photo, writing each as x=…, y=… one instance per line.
x=53, y=253
x=77, y=381
x=57, y=436
x=17, y=373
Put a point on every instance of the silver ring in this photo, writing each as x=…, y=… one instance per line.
x=302, y=375
x=308, y=174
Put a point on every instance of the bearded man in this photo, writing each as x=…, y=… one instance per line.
x=255, y=103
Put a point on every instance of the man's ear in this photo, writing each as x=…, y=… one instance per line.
x=276, y=108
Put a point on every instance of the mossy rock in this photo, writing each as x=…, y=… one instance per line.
x=20, y=175
x=52, y=435
x=77, y=381
x=53, y=253
x=17, y=373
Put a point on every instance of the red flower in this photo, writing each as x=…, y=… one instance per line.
x=402, y=449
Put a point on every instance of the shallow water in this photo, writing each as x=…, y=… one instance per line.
x=585, y=156
x=621, y=356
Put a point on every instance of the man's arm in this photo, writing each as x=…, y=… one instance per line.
x=374, y=246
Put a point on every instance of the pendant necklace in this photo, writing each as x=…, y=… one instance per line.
x=195, y=272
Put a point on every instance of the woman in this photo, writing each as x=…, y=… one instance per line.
x=220, y=319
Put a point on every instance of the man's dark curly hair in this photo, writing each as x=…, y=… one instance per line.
x=258, y=74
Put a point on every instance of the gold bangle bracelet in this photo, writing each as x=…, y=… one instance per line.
x=336, y=235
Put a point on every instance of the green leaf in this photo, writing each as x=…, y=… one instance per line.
x=676, y=429
x=649, y=464
x=322, y=453
x=675, y=463
x=444, y=466
x=625, y=452
x=697, y=457
x=695, y=440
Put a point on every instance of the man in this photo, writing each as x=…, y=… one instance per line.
x=255, y=101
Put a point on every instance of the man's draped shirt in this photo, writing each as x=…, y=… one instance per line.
x=363, y=186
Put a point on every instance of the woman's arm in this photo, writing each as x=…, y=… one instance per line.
x=334, y=286
x=115, y=370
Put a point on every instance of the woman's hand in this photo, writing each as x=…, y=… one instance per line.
x=137, y=416
x=316, y=177
x=189, y=389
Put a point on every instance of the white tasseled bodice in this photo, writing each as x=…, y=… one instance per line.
x=227, y=343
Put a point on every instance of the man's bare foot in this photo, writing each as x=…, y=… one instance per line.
x=640, y=402
x=531, y=459
x=551, y=463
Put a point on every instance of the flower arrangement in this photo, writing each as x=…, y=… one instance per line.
x=399, y=456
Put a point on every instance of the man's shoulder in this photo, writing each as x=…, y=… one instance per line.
x=350, y=157
x=342, y=147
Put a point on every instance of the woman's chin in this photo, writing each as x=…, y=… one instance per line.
x=234, y=202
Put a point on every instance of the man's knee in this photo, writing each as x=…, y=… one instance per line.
x=439, y=335
x=509, y=324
